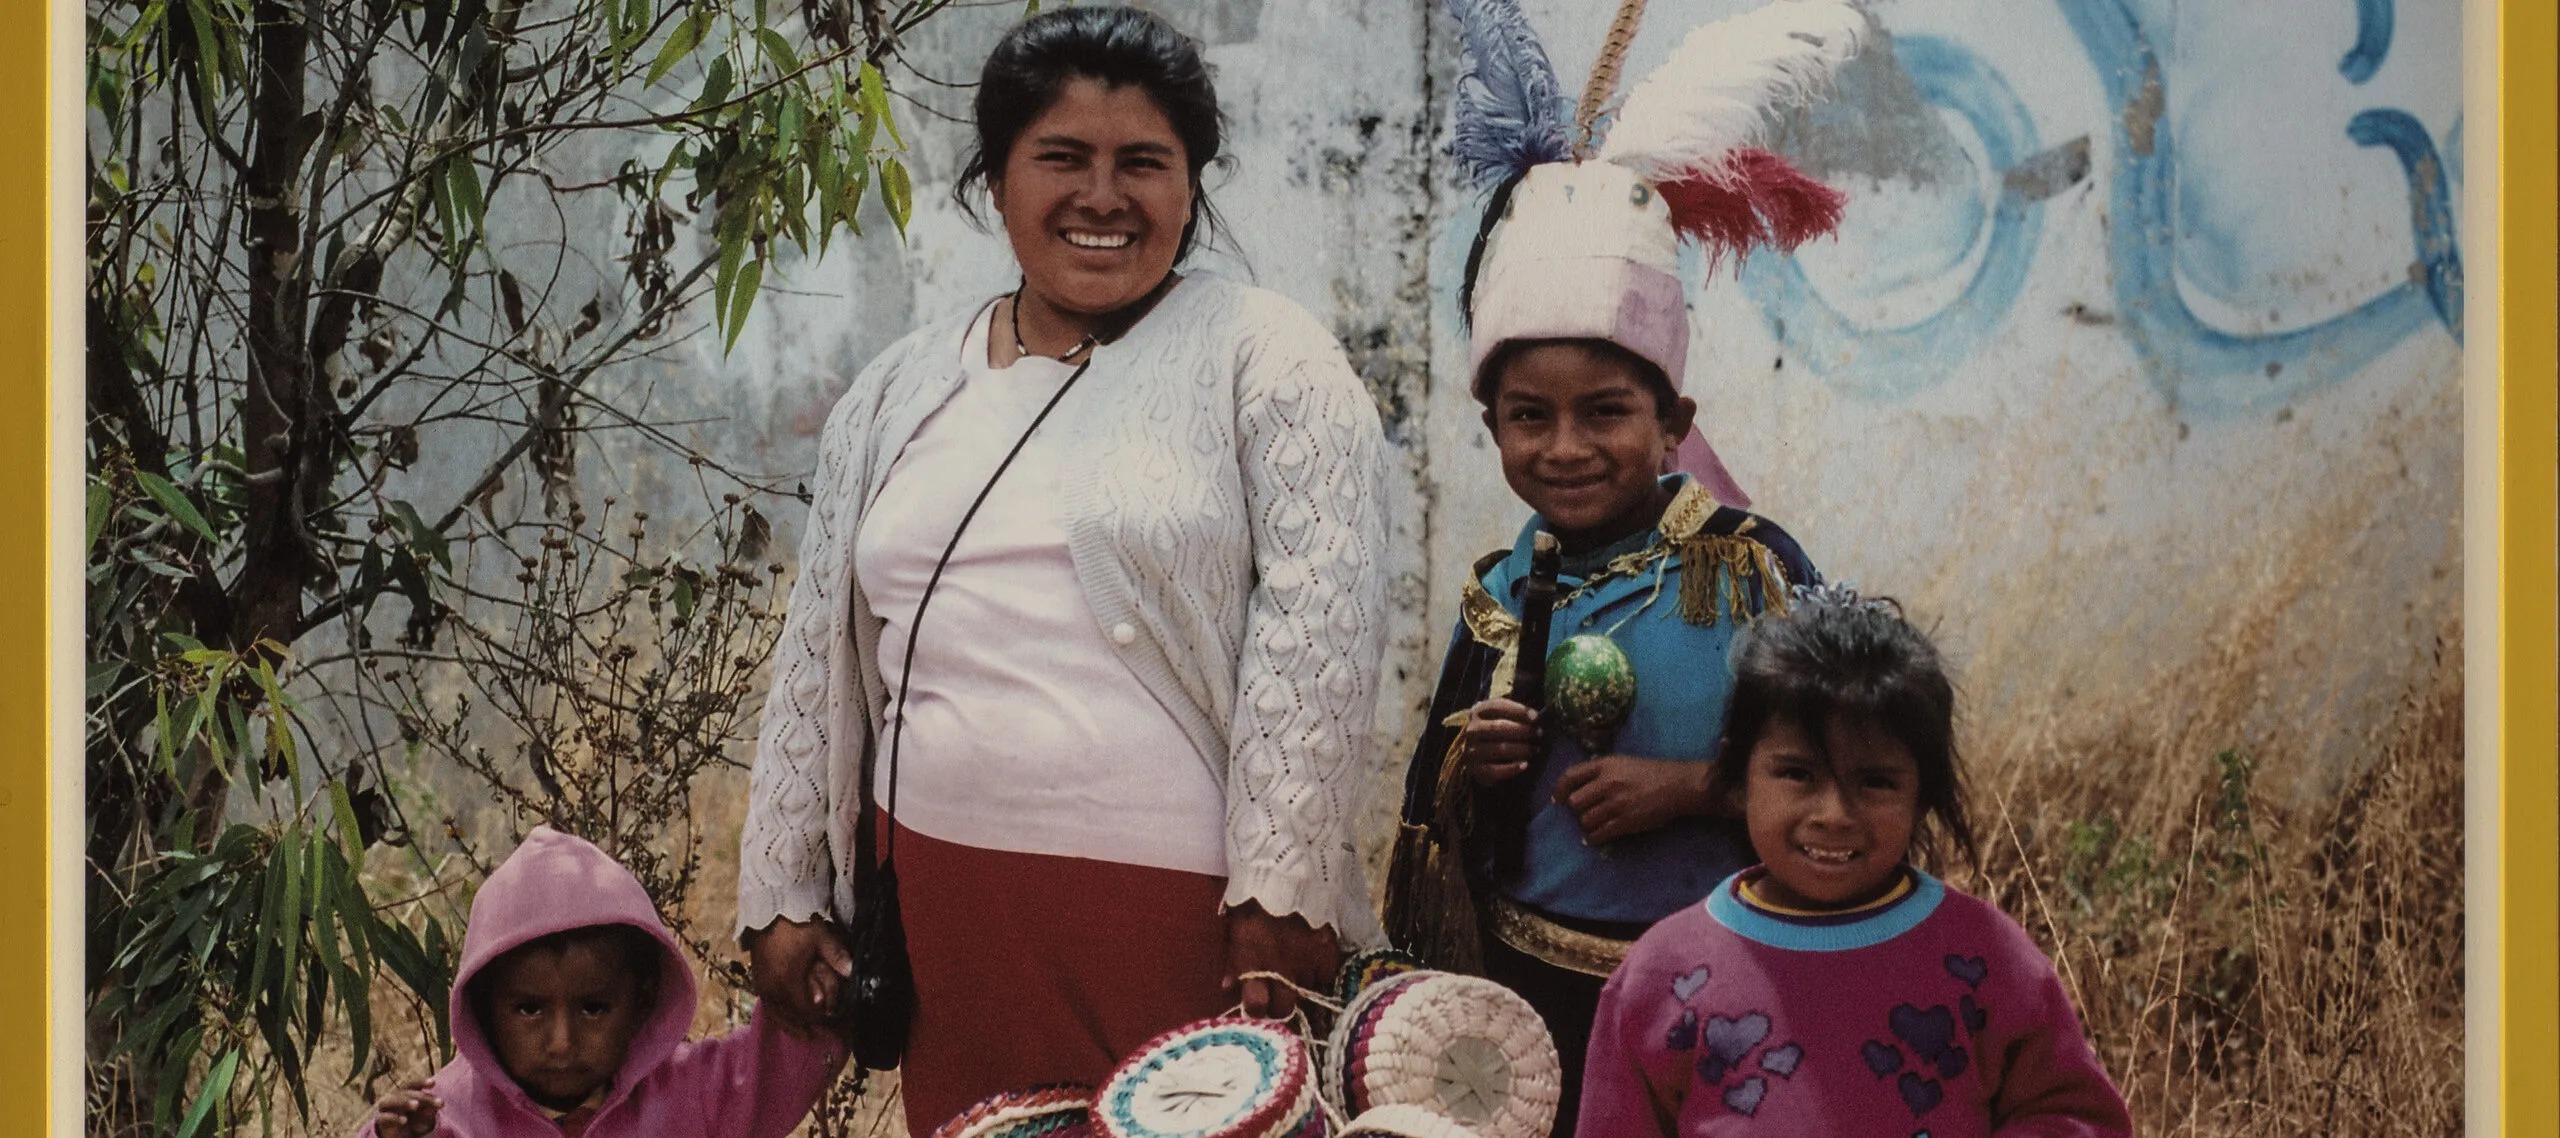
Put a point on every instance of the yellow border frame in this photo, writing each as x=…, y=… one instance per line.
x=2512, y=446
x=32, y=596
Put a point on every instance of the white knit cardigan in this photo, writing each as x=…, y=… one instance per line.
x=1223, y=501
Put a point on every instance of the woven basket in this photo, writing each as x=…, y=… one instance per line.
x=1367, y=968
x=1405, y=1120
x=1060, y=1111
x=1229, y=1077
x=1463, y=1047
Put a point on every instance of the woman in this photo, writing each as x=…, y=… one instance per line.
x=1139, y=712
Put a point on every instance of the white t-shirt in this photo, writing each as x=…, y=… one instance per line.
x=1025, y=730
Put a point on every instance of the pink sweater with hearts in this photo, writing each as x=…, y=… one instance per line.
x=1932, y=1015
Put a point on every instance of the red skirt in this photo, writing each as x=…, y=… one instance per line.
x=1033, y=968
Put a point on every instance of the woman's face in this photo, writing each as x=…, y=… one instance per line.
x=1095, y=194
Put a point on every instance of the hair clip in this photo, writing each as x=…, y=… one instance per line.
x=1844, y=595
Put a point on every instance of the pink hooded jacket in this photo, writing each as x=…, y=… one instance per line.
x=756, y=1082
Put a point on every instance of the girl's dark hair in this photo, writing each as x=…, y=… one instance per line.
x=1656, y=382
x=1856, y=661
x=1119, y=46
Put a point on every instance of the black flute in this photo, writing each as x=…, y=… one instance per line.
x=1507, y=806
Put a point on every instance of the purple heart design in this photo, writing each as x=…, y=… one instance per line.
x=1781, y=1061
x=1882, y=1058
x=1684, y=1034
x=1712, y=1069
x=1744, y=1097
x=1929, y=1032
x=1731, y=1039
x=1974, y=1014
x=1687, y=983
x=1921, y=1095
x=1970, y=969
x=1951, y=1063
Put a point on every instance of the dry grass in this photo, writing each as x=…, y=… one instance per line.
x=2252, y=951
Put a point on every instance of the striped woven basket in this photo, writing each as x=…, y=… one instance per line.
x=1463, y=1047
x=1230, y=1077
x=1405, y=1120
x=1058, y=1111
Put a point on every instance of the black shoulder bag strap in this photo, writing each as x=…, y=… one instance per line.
x=883, y=995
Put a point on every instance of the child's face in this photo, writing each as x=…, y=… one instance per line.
x=1832, y=835
x=1582, y=439
x=562, y=1020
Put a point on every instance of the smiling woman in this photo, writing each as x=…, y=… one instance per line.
x=1143, y=703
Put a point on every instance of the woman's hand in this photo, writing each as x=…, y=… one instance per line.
x=409, y=1112
x=1260, y=942
x=1617, y=795
x=1501, y=738
x=797, y=967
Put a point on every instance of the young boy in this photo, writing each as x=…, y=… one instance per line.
x=569, y=1015
x=1580, y=340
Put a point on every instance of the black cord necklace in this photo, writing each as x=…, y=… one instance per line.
x=1118, y=322
x=1015, y=311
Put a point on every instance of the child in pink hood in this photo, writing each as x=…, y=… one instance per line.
x=569, y=1014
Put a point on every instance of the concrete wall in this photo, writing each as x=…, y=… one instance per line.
x=2145, y=318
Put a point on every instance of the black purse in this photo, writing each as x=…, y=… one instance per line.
x=879, y=1002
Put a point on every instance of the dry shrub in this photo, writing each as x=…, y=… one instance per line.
x=2252, y=950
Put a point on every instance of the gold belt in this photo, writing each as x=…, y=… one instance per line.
x=1570, y=949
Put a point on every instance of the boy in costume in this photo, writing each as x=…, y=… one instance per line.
x=1579, y=351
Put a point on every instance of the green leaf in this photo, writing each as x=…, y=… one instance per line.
x=875, y=98
x=175, y=502
x=350, y=838
x=896, y=192
x=217, y=1083
x=680, y=44
x=466, y=190
x=715, y=84
x=742, y=296
x=101, y=506
x=423, y=538
x=684, y=598
x=778, y=50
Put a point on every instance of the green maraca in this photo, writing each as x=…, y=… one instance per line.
x=1591, y=687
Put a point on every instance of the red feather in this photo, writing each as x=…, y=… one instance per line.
x=1757, y=200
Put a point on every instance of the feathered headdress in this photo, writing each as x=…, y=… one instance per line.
x=1581, y=241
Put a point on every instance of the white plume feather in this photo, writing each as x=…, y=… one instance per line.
x=1725, y=83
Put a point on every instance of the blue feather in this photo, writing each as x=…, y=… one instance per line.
x=1510, y=107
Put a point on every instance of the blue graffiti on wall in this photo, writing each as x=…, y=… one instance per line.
x=2373, y=41
x=1889, y=363
x=2199, y=367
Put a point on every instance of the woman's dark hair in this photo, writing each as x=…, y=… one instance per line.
x=1834, y=660
x=1121, y=47
x=1648, y=373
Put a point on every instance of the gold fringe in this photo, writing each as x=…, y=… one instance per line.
x=1729, y=572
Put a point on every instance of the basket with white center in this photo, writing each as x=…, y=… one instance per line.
x=1463, y=1047
x=1229, y=1077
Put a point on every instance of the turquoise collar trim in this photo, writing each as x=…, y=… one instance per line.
x=1727, y=908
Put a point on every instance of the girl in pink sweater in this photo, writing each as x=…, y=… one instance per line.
x=569, y=1015
x=1834, y=989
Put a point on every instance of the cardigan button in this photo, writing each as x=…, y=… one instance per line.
x=1124, y=634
